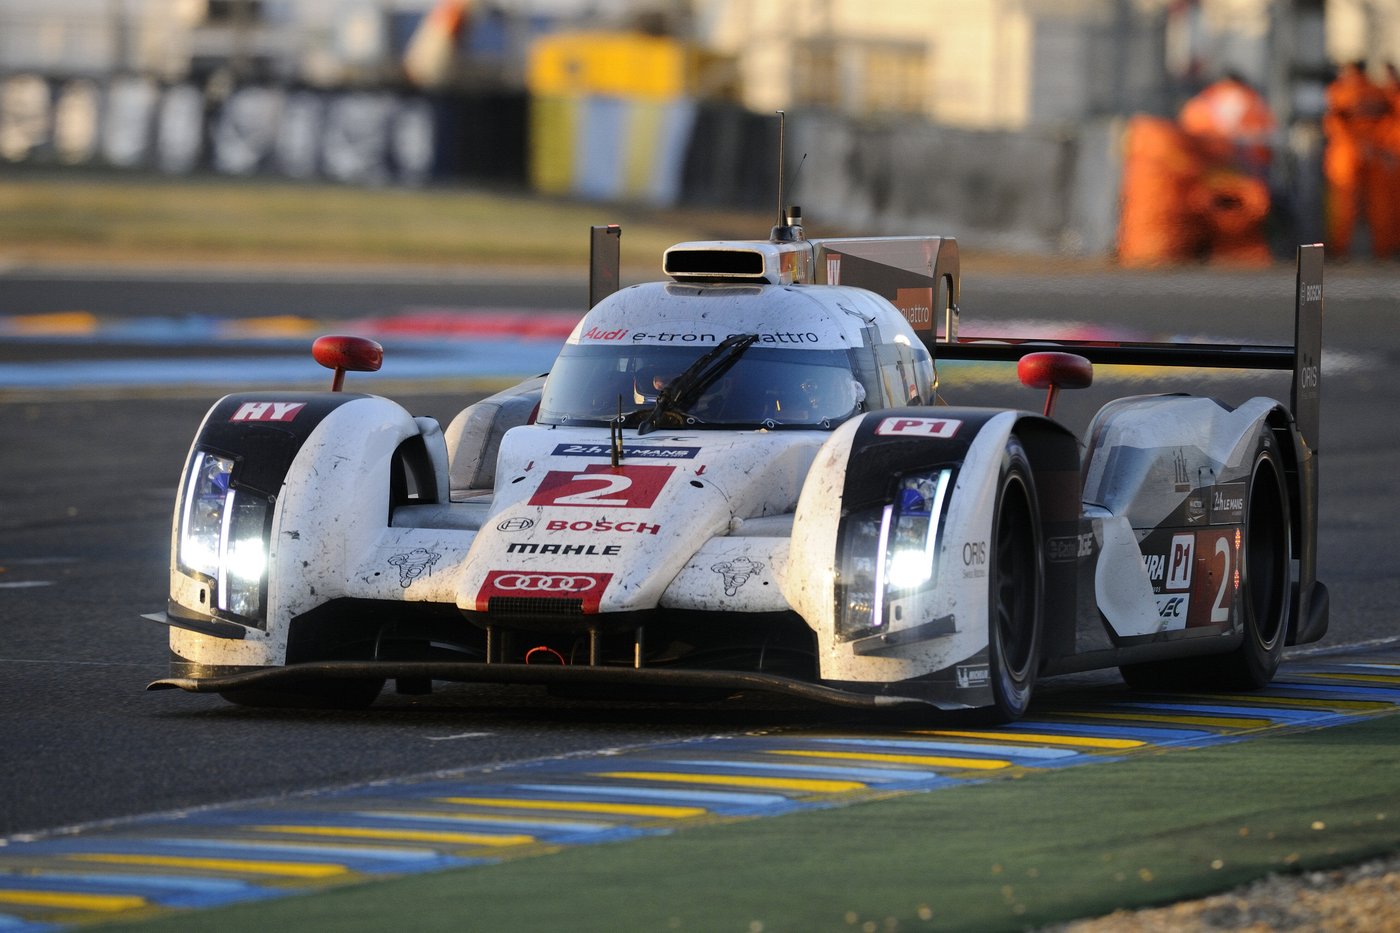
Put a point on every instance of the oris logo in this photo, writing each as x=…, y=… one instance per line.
x=546, y=582
x=516, y=524
x=587, y=587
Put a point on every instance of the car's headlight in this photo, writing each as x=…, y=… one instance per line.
x=223, y=536
x=889, y=554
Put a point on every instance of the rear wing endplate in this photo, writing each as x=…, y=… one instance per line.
x=604, y=262
x=1306, y=400
x=919, y=275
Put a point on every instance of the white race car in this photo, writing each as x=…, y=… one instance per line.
x=738, y=480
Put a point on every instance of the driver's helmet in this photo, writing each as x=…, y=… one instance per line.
x=817, y=393
x=648, y=379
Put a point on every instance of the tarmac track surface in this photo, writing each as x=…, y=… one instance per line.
x=89, y=476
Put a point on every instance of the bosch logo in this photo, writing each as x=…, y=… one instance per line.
x=516, y=524
x=545, y=582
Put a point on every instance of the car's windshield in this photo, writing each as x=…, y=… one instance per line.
x=593, y=384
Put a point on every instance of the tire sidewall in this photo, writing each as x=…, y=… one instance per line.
x=1013, y=683
x=1261, y=652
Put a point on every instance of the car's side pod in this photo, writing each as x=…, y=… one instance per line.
x=1298, y=429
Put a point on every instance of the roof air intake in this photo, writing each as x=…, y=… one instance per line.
x=732, y=264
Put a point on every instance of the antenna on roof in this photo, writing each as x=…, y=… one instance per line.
x=788, y=229
x=782, y=134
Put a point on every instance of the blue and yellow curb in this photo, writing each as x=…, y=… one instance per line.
x=168, y=863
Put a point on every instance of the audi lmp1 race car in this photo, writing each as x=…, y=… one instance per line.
x=740, y=479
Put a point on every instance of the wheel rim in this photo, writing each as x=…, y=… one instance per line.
x=1014, y=593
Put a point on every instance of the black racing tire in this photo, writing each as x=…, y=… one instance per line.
x=1016, y=588
x=1266, y=577
x=1265, y=597
x=343, y=694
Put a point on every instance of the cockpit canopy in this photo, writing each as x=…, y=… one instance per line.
x=762, y=388
x=692, y=356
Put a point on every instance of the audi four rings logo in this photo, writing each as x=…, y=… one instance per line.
x=587, y=588
x=546, y=582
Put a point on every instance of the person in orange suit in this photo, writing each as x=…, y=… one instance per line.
x=1351, y=164
x=1388, y=155
x=1231, y=126
x=1233, y=123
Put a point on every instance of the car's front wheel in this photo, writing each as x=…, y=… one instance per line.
x=1016, y=587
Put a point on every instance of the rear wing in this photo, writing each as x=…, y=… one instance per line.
x=919, y=275
x=1303, y=358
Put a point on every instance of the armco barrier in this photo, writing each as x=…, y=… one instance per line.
x=732, y=160
x=1009, y=190
x=354, y=136
x=1027, y=191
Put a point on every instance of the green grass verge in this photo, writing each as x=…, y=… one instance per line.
x=1005, y=855
x=46, y=216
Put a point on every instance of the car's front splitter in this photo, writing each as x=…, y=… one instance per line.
x=654, y=679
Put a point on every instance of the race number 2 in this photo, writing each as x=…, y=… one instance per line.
x=600, y=485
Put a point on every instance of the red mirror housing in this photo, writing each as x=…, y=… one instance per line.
x=347, y=354
x=1054, y=371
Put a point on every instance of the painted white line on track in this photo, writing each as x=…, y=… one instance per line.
x=460, y=735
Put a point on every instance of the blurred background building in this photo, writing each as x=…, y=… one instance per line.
x=1004, y=119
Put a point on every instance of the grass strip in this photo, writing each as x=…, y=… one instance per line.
x=1005, y=855
x=47, y=216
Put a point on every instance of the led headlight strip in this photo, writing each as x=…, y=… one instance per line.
x=890, y=550
x=222, y=535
